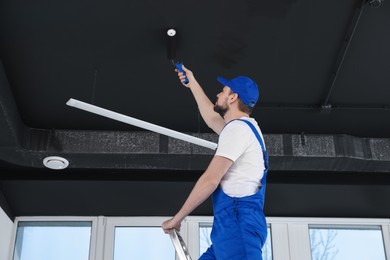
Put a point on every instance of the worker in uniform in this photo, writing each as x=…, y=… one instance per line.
x=236, y=176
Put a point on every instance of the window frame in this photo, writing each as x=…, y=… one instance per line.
x=290, y=236
x=298, y=228
x=112, y=222
x=93, y=236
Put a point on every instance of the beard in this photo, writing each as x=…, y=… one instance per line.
x=221, y=109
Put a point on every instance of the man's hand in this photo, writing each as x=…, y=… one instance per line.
x=189, y=75
x=170, y=224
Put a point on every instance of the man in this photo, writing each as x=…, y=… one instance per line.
x=235, y=176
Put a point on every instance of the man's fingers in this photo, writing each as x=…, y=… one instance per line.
x=183, y=76
x=185, y=69
x=167, y=230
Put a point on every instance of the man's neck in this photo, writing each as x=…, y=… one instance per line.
x=234, y=115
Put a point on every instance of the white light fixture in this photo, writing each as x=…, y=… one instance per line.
x=139, y=123
x=171, y=32
x=55, y=162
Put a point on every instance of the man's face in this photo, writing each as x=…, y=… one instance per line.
x=221, y=104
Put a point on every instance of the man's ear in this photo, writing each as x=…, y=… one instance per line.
x=233, y=97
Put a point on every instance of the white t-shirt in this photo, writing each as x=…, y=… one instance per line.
x=238, y=143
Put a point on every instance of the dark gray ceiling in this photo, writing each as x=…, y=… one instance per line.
x=322, y=67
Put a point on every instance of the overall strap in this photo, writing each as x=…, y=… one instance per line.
x=265, y=155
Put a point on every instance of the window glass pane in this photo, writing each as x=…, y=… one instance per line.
x=205, y=242
x=38, y=240
x=142, y=243
x=358, y=243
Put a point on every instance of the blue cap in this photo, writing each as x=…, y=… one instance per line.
x=245, y=87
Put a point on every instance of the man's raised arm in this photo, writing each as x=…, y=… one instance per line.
x=206, y=107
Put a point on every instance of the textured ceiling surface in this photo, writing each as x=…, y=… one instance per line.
x=114, y=55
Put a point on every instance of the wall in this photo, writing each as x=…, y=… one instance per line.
x=6, y=228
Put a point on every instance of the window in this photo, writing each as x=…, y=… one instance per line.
x=136, y=238
x=42, y=240
x=346, y=242
x=204, y=241
x=123, y=238
x=142, y=243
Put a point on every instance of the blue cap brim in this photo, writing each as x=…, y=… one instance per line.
x=224, y=81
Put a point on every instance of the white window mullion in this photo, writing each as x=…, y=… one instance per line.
x=100, y=238
x=386, y=239
x=193, y=226
x=193, y=238
x=93, y=245
x=13, y=253
x=109, y=230
x=280, y=241
x=299, y=241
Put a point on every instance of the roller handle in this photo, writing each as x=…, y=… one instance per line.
x=179, y=66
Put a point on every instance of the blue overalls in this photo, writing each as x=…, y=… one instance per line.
x=239, y=229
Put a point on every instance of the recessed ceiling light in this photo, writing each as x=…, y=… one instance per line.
x=171, y=32
x=55, y=162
